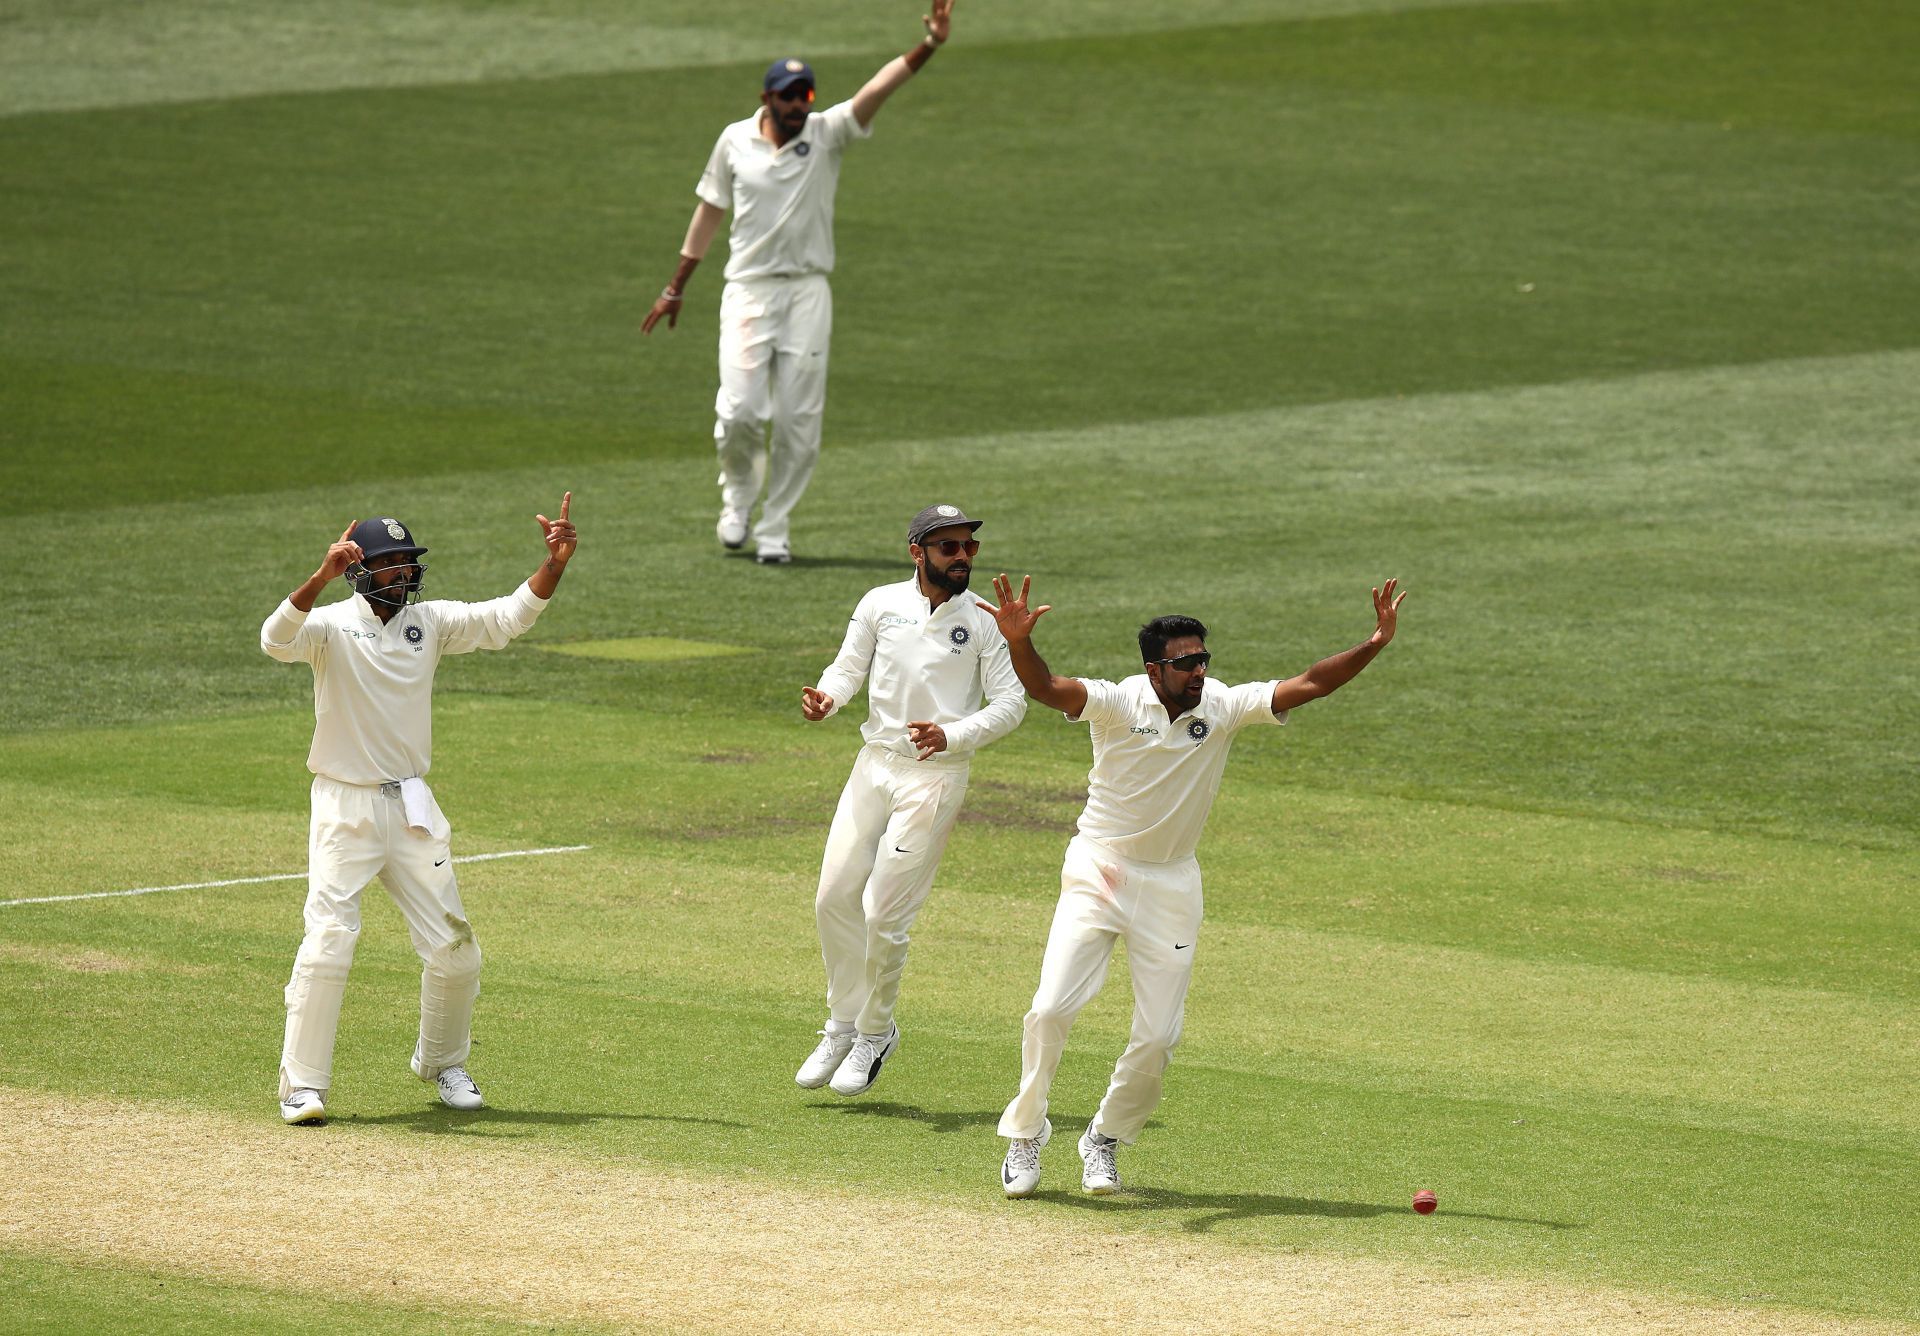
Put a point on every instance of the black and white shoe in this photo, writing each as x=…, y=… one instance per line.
x=1100, y=1176
x=1020, y=1171
x=304, y=1105
x=861, y=1067
x=457, y=1090
x=825, y=1059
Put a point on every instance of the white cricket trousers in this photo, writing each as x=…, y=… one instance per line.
x=885, y=844
x=774, y=336
x=359, y=833
x=1103, y=897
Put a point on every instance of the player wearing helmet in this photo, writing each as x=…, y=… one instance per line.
x=374, y=656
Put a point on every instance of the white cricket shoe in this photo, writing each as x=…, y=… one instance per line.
x=773, y=554
x=1100, y=1176
x=861, y=1067
x=832, y=1050
x=457, y=1090
x=1020, y=1171
x=731, y=530
x=304, y=1105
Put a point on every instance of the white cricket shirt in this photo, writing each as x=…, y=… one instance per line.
x=922, y=663
x=1154, y=779
x=781, y=198
x=373, y=684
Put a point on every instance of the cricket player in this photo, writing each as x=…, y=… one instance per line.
x=1160, y=743
x=927, y=653
x=777, y=170
x=373, y=657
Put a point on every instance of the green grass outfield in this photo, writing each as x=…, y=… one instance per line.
x=1590, y=905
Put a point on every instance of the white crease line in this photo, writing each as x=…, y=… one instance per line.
x=278, y=876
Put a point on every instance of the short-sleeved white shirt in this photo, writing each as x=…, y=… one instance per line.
x=373, y=682
x=1154, y=779
x=781, y=198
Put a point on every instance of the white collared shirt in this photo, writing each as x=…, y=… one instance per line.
x=1153, y=779
x=373, y=684
x=781, y=198
x=925, y=664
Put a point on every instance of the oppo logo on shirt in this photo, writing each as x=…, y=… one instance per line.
x=1143, y=728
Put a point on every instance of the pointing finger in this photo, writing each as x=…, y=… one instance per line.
x=565, y=501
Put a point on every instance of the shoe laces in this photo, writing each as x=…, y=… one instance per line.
x=866, y=1048
x=824, y=1049
x=1100, y=1157
x=1023, y=1156
x=457, y=1078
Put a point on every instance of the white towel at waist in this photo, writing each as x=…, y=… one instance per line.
x=423, y=812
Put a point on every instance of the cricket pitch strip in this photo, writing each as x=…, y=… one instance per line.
x=528, y=1234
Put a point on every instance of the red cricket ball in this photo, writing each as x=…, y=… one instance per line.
x=1425, y=1202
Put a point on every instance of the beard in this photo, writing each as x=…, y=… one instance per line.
x=953, y=580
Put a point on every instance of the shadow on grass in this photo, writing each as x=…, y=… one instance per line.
x=1214, y=1208
x=508, y=1122
x=939, y=1122
x=831, y=563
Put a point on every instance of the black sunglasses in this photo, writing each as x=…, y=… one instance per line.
x=952, y=547
x=1186, y=663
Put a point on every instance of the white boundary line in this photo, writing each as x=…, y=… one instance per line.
x=278, y=876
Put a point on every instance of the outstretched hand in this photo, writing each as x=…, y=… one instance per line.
x=559, y=534
x=940, y=22
x=342, y=554
x=1016, y=623
x=1386, y=611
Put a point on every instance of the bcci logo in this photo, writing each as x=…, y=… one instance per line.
x=415, y=635
x=1197, y=730
x=394, y=531
x=958, y=635
x=803, y=148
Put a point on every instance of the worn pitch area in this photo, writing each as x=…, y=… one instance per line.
x=526, y=1233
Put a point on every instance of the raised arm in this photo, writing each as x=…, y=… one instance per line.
x=1066, y=694
x=285, y=635
x=700, y=234
x=1334, y=672
x=560, y=539
x=868, y=101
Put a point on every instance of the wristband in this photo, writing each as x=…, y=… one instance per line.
x=670, y=295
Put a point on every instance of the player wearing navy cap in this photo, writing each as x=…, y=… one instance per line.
x=777, y=172
x=374, y=657
x=926, y=655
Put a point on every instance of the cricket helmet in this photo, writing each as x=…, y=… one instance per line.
x=378, y=538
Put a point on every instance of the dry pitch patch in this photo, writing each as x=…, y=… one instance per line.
x=524, y=1233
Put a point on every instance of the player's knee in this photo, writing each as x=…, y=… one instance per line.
x=326, y=951
x=458, y=962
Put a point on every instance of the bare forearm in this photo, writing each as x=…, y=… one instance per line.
x=547, y=578
x=304, y=597
x=1336, y=670
x=700, y=234
x=873, y=95
x=1059, y=693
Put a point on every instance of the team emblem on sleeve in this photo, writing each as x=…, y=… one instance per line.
x=803, y=148
x=1197, y=729
x=959, y=635
x=414, y=635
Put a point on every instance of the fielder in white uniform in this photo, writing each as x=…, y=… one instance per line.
x=1160, y=743
x=926, y=653
x=373, y=658
x=777, y=170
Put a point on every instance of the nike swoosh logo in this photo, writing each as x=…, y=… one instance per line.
x=897, y=849
x=1182, y=948
x=441, y=861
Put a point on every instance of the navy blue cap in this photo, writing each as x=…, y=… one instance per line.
x=785, y=73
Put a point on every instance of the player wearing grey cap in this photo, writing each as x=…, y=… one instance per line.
x=777, y=171
x=1160, y=743
x=927, y=654
x=374, y=657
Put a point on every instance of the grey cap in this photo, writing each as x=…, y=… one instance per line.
x=938, y=517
